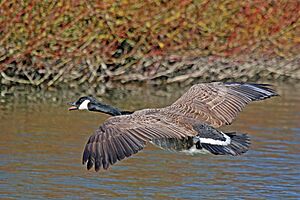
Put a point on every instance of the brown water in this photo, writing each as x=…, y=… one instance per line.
x=41, y=147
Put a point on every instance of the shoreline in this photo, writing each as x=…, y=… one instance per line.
x=156, y=71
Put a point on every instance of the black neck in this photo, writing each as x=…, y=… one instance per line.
x=99, y=107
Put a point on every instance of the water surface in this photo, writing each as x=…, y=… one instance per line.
x=41, y=147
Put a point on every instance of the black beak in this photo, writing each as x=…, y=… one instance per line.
x=73, y=106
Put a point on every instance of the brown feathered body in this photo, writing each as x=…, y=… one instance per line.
x=189, y=124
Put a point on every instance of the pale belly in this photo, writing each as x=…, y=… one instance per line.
x=193, y=150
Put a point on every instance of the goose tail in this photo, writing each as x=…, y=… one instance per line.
x=239, y=143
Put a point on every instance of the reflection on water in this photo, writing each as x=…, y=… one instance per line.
x=42, y=143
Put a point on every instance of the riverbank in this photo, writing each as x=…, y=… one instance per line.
x=96, y=46
x=158, y=71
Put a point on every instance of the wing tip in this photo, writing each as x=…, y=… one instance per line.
x=268, y=91
x=255, y=91
x=90, y=163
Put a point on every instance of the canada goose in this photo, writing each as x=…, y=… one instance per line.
x=188, y=125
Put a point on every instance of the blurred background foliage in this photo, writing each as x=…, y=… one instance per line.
x=77, y=43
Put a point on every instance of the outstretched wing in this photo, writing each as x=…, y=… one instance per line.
x=219, y=103
x=123, y=136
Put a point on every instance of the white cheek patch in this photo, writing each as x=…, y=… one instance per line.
x=84, y=105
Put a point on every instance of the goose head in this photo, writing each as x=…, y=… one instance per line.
x=83, y=103
x=91, y=104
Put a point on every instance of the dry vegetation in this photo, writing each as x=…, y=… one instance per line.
x=88, y=43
